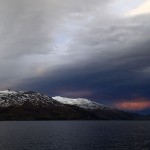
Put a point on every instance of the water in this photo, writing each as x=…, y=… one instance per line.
x=75, y=135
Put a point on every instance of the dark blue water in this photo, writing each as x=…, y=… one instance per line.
x=75, y=135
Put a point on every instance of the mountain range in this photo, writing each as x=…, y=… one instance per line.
x=30, y=105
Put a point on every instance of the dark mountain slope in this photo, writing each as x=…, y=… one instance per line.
x=21, y=105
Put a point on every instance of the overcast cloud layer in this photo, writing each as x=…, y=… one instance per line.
x=83, y=48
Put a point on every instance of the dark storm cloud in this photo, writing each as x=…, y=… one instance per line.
x=75, y=49
x=112, y=75
x=30, y=32
x=27, y=26
x=119, y=77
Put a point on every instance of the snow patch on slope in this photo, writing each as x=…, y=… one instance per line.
x=14, y=98
x=80, y=102
x=6, y=92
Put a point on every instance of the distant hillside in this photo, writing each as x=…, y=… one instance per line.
x=20, y=105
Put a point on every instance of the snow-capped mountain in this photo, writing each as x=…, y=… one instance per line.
x=15, y=98
x=11, y=98
x=81, y=102
x=20, y=105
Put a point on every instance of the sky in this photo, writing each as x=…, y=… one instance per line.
x=84, y=48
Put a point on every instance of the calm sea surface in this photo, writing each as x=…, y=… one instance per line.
x=75, y=135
